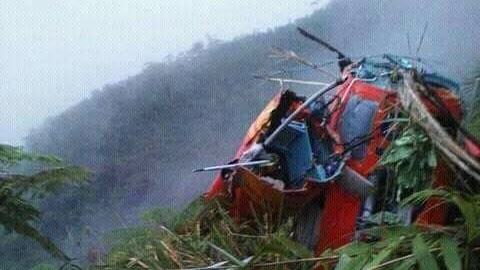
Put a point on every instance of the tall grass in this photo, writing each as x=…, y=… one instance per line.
x=204, y=235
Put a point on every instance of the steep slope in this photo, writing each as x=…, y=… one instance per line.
x=144, y=135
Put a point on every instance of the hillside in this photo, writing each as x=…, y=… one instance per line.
x=144, y=135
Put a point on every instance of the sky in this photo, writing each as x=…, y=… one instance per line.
x=54, y=53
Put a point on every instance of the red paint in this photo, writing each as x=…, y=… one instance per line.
x=338, y=223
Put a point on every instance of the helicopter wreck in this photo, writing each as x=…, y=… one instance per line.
x=321, y=157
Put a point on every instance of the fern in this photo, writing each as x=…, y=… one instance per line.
x=17, y=210
x=12, y=155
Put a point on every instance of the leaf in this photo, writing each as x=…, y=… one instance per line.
x=355, y=263
x=385, y=217
x=385, y=253
x=468, y=211
x=450, y=254
x=425, y=259
x=17, y=209
x=422, y=196
x=412, y=157
x=227, y=255
x=356, y=248
x=297, y=249
x=407, y=264
x=397, y=155
x=343, y=262
x=466, y=204
x=49, y=181
x=390, y=233
x=12, y=155
x=159, y=215
x=432, y=159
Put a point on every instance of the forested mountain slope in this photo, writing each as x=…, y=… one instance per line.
x=144, y=135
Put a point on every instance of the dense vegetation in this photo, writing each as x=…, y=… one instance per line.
x=204, y=235
x=143, y=136
x=20, y=194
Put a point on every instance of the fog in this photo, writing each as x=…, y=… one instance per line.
x=146, y=130
x=54, y=53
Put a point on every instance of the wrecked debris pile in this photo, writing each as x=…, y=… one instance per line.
x=373, y=171
x=327, y=151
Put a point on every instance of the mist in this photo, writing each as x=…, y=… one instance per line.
x=53, y=54
x=160, y=117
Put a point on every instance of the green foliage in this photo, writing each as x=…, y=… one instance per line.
x=469, y=206
x=451, y=254
x=359, y=255
x=213, y=238
x=17, y=209
x=159, y=215
x=12, y=155
x=176, y=220
x=191, y=213
x=384, y=217
x=401, y=248
x=46, y=182
x=412, y=158
x=425, y=258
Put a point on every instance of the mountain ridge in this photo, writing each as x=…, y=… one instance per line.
x=144, y=135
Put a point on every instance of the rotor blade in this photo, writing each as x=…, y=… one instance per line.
x=273, y=79
x=421, y=39
x=291, y=55
x=234, y=165
x=319, y=41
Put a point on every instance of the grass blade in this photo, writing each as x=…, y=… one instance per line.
x=425, y=259
x=229, y=256
x=450, y=254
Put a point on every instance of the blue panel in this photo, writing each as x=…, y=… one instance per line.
x=356, y=123
x=434, y=78
x=294, y=144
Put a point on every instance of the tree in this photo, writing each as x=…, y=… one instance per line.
x=20, y=192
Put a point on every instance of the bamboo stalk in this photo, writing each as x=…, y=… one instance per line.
x=412, y=102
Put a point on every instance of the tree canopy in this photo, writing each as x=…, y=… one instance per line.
x=19, y=192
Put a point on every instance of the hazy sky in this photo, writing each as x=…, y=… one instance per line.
x=53, y=53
